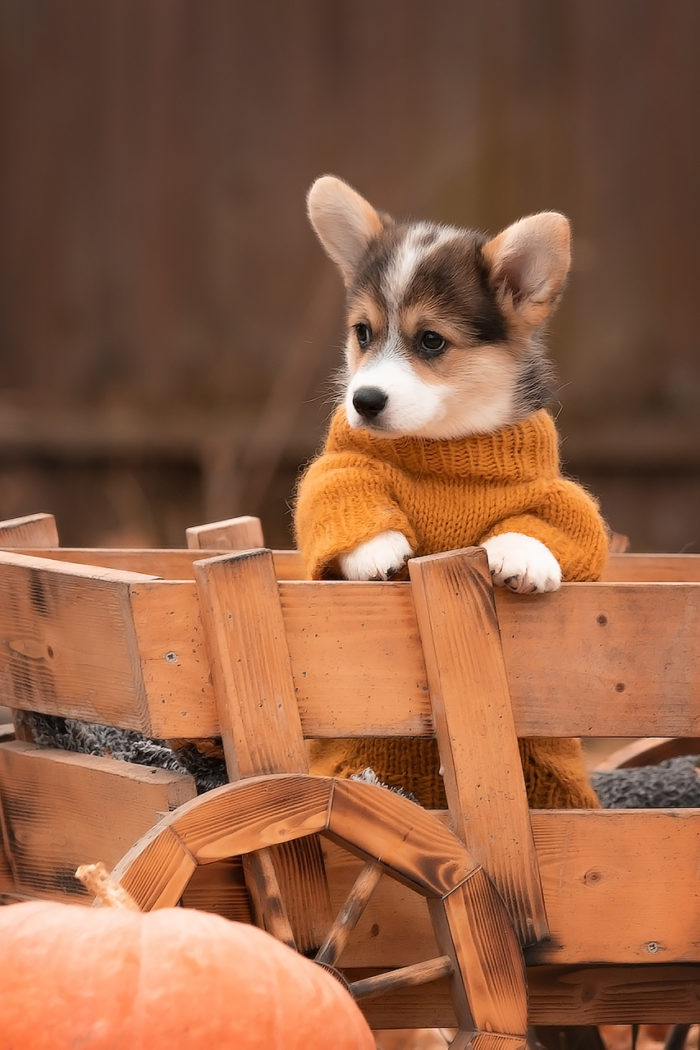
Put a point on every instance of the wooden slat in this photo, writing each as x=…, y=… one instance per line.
x=359, y=669
x=173, y=659
x=61, y=810
x=246, y=641
x=478, y=746
x=652, y=568
x=33, y=530
x=357, y=663
x=654, y=994
x=169, y=563
x=619, y=886
x=66, y=632
x=240, y=533
x=587, y=641
x=560, y=995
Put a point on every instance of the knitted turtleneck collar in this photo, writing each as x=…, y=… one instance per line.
x=522, y=452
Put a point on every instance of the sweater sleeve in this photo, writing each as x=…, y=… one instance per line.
x=344, y=499
x=567, y=520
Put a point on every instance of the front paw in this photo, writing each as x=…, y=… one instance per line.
x=522, y=564
x=378, y=559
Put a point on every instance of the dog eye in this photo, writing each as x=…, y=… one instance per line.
x=364, y=335
x=431, y=344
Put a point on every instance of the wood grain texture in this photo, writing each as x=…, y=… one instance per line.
x=173, y=659
x=61, y=810
x=169, y=563
x=652, y=568
x=67, y=641
x=33, y=530
x=653, y=994
x=250, y=665
x=476, y=735
x=220, y=888
x=620, y=886
x=559, y=995
x=358, y=667
x=258, y=714
x=157, y=869
x=487, y=956
x=252, y=814
x=234, y=534
x=417, y=848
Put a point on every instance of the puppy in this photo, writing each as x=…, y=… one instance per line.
x=443, y=439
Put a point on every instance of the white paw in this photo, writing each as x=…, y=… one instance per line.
x=378, y=559
x=522, y=563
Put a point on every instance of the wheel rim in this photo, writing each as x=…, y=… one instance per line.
x=478, y=948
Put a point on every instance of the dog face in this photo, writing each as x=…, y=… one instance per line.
x=444, y=324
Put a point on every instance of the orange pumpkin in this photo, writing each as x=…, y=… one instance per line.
x=103, y=979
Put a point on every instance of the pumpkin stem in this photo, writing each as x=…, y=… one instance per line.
x=98, y=880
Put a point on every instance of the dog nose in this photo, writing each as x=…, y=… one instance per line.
x=369, y=401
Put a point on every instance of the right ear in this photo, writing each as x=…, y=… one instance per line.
x=344, y=222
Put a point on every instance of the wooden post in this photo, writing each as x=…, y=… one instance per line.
x=233, y=534
x=474, y=726
x=260, y=726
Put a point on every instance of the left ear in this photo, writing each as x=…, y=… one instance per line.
x=528, y=264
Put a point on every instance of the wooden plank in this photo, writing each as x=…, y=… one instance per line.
x=653, y=994
x=169, y=563
x=242, y=533
x=358, y=667
x=61, y=810
x=620, y=886
x=652, y=568
x=67, y=641
x=592, y=641
x=178, y=695
x=250, y=667
x=559, y=995
x=259, y=718
x=484, y=784
x=33, y=530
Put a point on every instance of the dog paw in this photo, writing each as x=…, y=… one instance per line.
x=522, y=564
x=378, y=559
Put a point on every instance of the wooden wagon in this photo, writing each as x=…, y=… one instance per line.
x=486, y=918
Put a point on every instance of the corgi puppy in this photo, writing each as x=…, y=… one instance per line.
x=444, y=341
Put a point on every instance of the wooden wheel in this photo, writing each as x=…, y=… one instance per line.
x=479, y=951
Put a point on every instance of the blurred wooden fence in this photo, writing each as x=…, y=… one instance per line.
x=168, y=325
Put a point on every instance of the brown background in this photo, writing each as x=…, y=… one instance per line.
x=168, y=325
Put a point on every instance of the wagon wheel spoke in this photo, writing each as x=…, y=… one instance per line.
x=349, y=914
x=404, y=977
x=267, y=899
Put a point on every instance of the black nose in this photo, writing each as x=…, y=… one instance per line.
x=369, y=401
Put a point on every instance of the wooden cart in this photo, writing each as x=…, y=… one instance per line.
x=488, y=917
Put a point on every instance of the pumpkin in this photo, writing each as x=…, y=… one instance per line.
x=103, y=979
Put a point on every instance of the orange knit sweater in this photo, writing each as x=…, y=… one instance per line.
x=443, y=495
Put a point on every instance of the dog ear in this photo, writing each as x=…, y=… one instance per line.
x=344, y=222
x=528, y=264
